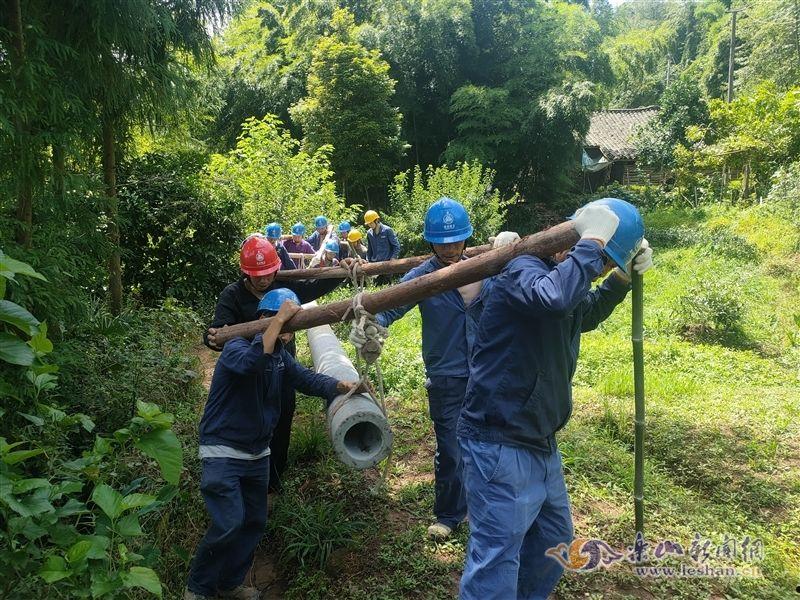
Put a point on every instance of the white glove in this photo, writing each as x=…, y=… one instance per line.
x=505, y=238
x=362, y=331
x=597, y=222
x=643, y=261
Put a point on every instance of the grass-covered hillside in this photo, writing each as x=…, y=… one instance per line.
x=723, y=439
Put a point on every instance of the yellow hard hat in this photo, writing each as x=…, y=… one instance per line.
x=370, y=216
x=354, y=235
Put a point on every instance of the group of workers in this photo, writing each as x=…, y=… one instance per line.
x=328, y=245
x=499, y=357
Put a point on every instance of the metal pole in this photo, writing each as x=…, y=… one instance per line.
x=638, y=386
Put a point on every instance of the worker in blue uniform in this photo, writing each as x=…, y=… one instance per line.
x=274, y=234
x=244, y=403
x=449, y=324
x=320, y=234
x=519, y=396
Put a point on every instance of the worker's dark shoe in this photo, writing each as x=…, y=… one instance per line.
x=243, y=592
x=190, y=595
x=439, y=531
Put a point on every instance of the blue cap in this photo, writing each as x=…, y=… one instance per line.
x=273, y=231
x=320, y=221
x=627, y=239
x=298, y=229
x=332, y=246
x=345, y=226
x=446, y=222
x=272, y=300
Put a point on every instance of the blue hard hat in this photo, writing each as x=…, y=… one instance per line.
x=272, y=300
x=298, y=229
x=332, y=246
x=627, y=240
x=320, y=221
x=446, y=222
x=345, y=226
x=273, y=231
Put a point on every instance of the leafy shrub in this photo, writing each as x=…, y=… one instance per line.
x=709, y=311
x=272, y=179
x=109, y=362
x=414, y=191
x=71, y=505
x=178, y=241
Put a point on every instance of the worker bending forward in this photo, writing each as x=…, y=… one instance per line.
x=519, y=395
x=449, y=324
x=240, y=415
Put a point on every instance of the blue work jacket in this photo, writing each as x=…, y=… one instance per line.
x=520, y=387
x=449, y=327
x=286, y=261
x=244, y=401
x=383, y=245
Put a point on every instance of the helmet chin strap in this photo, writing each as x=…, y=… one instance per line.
x=440, y=259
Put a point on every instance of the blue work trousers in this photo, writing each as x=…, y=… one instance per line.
x=445, y=397
x=518, y=508
x=235, y=493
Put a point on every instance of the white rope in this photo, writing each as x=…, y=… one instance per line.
x=368, y=351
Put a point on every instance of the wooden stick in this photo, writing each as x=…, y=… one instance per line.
x=543, y=244
x=398, y=265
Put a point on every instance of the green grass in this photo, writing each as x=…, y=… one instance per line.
x=722, y=441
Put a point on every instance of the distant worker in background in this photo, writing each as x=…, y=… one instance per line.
x=357, y=247
x=317, y=238
x=297, y=244
x=274, y=232
x=520, y=394
x=344, y=248
x=382, y=243
x=328, y=257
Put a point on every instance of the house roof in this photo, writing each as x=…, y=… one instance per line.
x=612, y=130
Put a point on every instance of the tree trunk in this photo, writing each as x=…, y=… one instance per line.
x=545, y=243
x=59, y=171
x=746, y=181
x=386, y=267
x=110, y=181
x=25, y=170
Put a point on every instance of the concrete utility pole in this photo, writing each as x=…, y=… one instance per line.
x=732, y=52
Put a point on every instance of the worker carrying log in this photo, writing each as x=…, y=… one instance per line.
x=356, y=245
x=242, y=411
x=297, y=243
x=321, y=232
x=238, y=302
x=449, y=323
x=328, y=257
x=519, y=395
x=274, y=232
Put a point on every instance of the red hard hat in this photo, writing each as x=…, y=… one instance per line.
x=257, y=257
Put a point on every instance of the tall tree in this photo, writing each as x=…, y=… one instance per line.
x=132, y=57
x=349, y=107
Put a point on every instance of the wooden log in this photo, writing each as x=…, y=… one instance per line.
x=398, y=265
x=546, y=243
